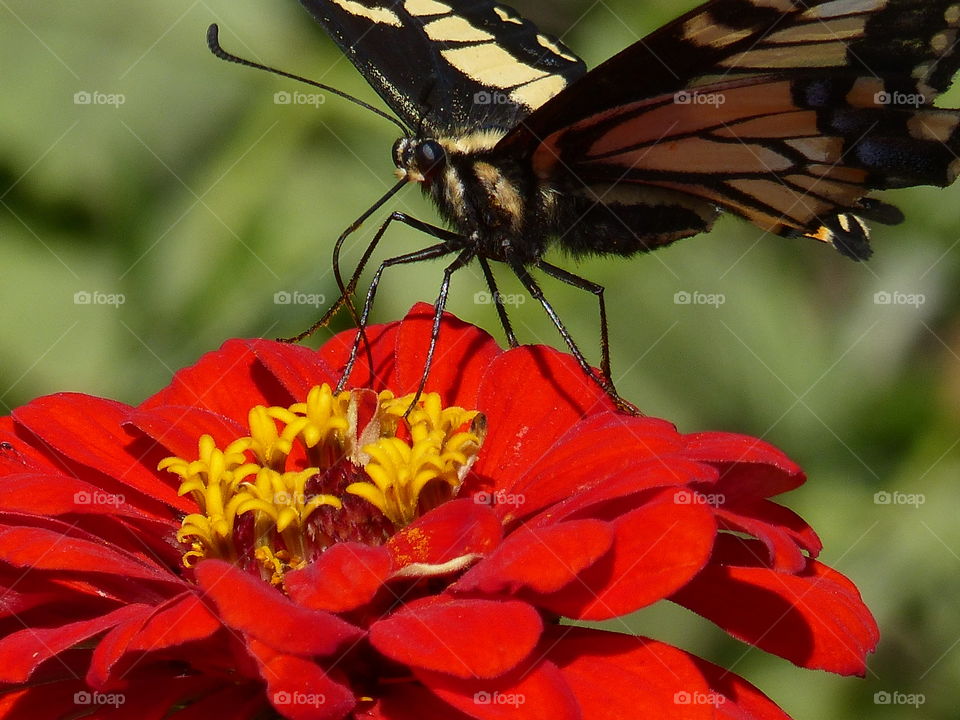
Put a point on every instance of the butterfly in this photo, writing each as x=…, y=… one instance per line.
x=787, y=113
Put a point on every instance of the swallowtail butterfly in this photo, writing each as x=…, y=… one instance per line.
x=784, y=112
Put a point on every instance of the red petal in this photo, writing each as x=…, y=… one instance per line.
x=49, y=495
x=382, y=345
x=815, y=618
x=622, y=677
x=228, y=381
x=539, y=693
x=749, y=467
x=617, y=494
x=295, y=367
x=40, y=549
x=21, y=652
x=460, y=360
x=409, y=701
x=657, y=549
x=343, y=578
x=541, y=559
x=179, y=621
x=455, y=530
x=253, y=606
x=21, y=452
x=236, y=703
x=299, y=689
x=784, y=532
x=89, y=431
x=456, y=637
x=743, y=700
x=589, y=454
x=178, y=429
x=534, y=415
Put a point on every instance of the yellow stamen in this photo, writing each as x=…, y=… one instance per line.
x=390, y=460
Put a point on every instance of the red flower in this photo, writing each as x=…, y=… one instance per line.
x=313, y=555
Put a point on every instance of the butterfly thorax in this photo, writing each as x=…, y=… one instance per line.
x=494, y=200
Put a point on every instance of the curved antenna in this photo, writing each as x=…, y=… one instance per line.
x=213, y=42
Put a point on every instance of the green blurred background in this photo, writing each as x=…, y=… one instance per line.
x=198, y=198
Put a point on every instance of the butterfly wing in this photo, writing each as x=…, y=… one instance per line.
x=449, y=67
x=784, y=112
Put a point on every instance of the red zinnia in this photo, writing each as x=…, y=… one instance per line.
x=303, y=554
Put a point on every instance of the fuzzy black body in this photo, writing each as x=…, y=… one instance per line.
x=507, y=212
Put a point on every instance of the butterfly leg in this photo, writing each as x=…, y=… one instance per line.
x=602, y=382
x=434, y=251
x=463, y=259
x=498, y=302
x=597, y=290
x=347, y=290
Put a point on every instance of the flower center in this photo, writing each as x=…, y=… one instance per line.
x=349, y=467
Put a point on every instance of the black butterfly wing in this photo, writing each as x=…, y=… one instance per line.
x=449, y=67
x=783, y=111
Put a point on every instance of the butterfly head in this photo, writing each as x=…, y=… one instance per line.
x=419, y=159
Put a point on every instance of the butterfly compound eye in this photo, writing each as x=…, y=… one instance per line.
x=430, y=158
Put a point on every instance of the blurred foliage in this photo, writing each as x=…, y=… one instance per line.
x=198, y=198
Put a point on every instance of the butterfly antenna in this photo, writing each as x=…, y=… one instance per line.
x=213, y=42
